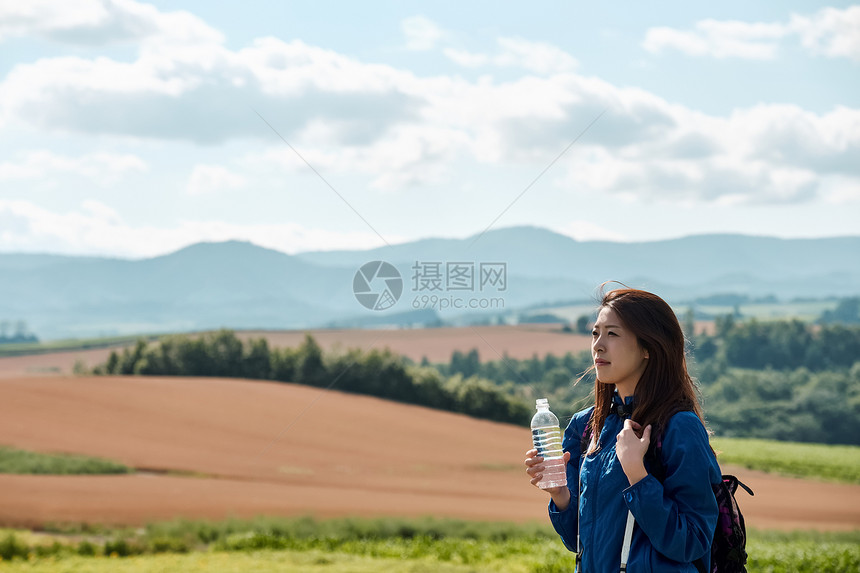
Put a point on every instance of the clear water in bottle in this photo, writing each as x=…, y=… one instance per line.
x=546, y=436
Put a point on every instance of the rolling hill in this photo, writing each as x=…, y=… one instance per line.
x=216, y=448
x=240, y=285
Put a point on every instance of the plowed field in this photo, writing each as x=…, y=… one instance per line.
x=437, y=344
x=214, y=448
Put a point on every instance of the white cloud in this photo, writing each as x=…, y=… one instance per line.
x=402, y=131
x=642, y=148
x=213, y=178
x=538, y=57
x=208, y=93
x=719, y=39
x=465, y=58
x=732, y=168
x=790, y=136
x=764, y=155
x=841, y=191
x=100, y=22
x=408, y=157
x=421, y=33
x=96, y=229
x=30, y=228
x=829, y=32
x=104, y=168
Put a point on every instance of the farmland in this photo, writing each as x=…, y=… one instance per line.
x=219, y=449
x=367, y=545
x=437, y=344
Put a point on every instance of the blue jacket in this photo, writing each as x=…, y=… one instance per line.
x=675, y=519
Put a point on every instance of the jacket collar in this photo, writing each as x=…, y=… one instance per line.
x=621, y=408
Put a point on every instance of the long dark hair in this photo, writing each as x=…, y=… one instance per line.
x=665, y=387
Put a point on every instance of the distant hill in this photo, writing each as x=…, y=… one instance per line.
x=241, y=285
x=540, y=253
x=203, y=286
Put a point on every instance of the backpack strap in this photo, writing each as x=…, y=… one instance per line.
x=628, y=528
x=628, y=540
x=586, y=435
x=724, y=493
x=732, y=482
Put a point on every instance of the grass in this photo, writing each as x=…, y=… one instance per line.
x=803, y=310
x=14, y=461
x=197, y=532
x=298, y=544
x=802, y=558
x=256, y=562
x=26, y=348
x=785, y=552
x=810, y=461
x=807, y=311
x=363, y=546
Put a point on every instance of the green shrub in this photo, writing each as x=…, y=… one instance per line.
x=168, y=545
x=11, y=548
x=14, y=461
x=86, y=549
x=123, y=547
x=426, y=544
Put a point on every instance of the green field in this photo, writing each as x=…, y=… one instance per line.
x=813, y=461
x=364, y=546
x=15, y=461
x=807, y=311
x=27, y=348
x=264, y=561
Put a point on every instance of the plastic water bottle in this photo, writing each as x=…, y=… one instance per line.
x=546, y=436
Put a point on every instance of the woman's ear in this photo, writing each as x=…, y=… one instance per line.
x=645, y=354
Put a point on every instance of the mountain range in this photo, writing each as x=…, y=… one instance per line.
x=241, y=285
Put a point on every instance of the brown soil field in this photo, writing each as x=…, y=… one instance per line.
x=217, y=448
x=437, y=344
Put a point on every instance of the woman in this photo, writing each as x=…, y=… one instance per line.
x=642, y=391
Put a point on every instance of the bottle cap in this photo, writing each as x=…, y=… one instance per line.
x=542, y=403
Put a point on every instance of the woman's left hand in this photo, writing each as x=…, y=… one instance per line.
x=630, y=449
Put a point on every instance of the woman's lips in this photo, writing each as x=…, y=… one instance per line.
x=600, y=362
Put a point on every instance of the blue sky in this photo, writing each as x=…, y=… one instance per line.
x=133, y=129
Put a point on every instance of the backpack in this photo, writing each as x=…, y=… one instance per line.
x=728, y=548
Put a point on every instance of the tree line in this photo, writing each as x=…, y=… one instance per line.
x=783, y=344
x=12, y=332
x=783, y=380
x=376, y=372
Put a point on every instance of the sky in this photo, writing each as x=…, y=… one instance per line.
x=132, y=129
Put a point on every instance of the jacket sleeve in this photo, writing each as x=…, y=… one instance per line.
x=565, y=522
x=679, y=515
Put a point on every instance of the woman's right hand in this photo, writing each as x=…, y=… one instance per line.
x=535, y=468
